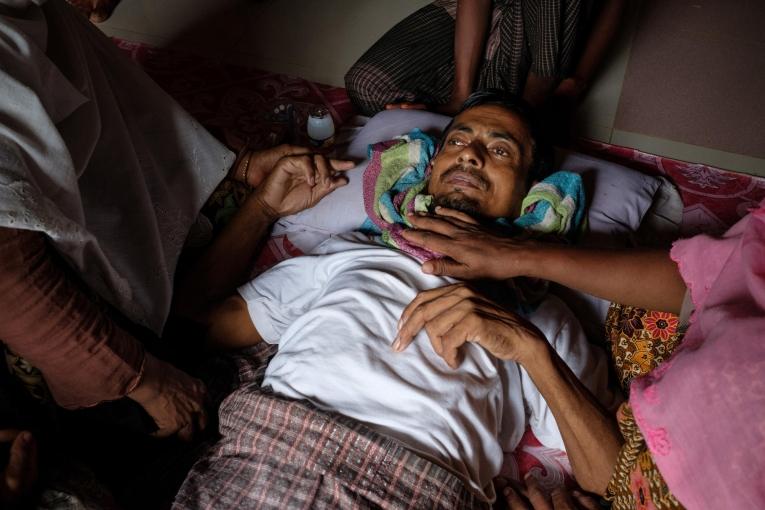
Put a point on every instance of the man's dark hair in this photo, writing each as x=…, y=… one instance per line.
x=539, y=154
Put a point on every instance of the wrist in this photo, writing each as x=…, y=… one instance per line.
x=460, y=91
x=527, y=263
x=260, y=208
x=536, y=358
x=145, y=389
x=259, y=163
x=516, y=259
x=536, y=258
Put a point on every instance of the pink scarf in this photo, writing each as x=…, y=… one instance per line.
x=703, y=411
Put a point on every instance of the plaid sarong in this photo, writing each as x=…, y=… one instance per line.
x=281, y=453
x=414, y=60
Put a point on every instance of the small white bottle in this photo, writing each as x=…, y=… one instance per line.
x=320, y=127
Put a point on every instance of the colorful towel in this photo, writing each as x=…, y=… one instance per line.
x=554, y=206
x=398, y=172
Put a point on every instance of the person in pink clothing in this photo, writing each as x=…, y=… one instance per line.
x=693, y=431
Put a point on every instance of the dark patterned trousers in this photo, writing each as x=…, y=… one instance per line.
x=414, y=60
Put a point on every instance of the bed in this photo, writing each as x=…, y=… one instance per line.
x=635, y=198
x=621, y=200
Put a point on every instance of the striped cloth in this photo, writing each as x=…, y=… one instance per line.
x=393, y=181
x=414, y=60
x=280, y=453
x=554, y=206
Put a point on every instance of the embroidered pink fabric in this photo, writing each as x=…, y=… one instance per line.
x=703, y=412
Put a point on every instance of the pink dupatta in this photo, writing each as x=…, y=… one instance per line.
x=703, y=411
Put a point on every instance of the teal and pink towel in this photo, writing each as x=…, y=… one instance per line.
x=394, y=179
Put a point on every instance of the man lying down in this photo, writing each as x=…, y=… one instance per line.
x=453, y=389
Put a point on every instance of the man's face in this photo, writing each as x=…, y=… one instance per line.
x=483, y=165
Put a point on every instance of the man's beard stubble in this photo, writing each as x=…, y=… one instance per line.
x=460, y=202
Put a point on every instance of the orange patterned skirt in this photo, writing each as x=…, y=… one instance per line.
x=640, y=340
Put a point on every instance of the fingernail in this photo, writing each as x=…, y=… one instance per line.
x=399, y=323
x=508, y=491
x=438, y=208
x=410, y=214
x=397, y=344
x=427, y=269
x=528, y=476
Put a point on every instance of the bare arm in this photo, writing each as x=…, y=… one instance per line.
x=225, y=264
x=230, y=326
x=207, y=294
x=47, y=316
x=456, y=314
x=470, y=30
x=600, y=38
x=590, y=434
x=538, y=88
x=297, y=182
x=644, y=278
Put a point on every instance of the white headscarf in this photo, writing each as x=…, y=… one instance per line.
x=96, y=156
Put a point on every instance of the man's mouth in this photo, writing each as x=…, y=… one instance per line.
x=459, y=177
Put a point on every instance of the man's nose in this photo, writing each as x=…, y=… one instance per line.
x=472, y=154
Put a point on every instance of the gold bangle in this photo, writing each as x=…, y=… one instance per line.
x=246, y=170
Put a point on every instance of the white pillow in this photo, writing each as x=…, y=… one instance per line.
x=618, y=197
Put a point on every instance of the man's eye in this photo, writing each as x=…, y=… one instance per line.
x=456, y=141
x=499, y=151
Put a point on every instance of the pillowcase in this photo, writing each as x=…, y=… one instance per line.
x=618, y=197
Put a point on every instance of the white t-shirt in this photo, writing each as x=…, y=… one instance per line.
x=334, y=315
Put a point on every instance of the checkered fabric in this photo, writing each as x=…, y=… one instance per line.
x=281, y=453
x=551, y=31
x=414, y=60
